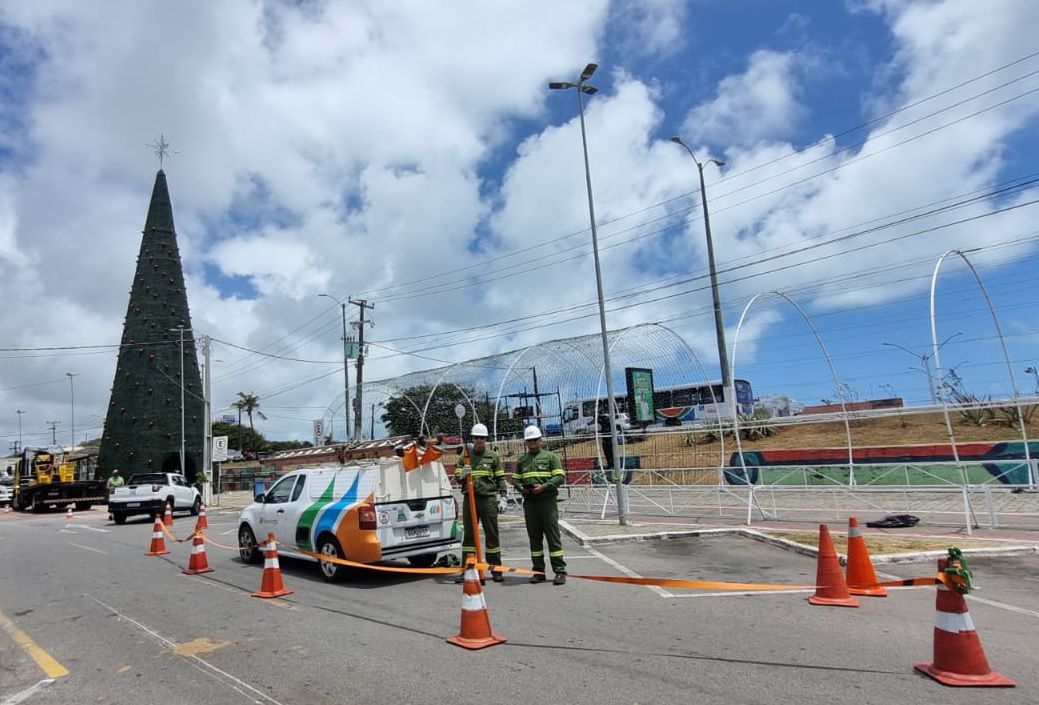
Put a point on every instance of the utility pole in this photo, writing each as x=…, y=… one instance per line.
x=346, y=372
x=181, y=330
x=72, y=392
x=54, y=432
x=363, y=305
x=207, y=425
x=19, y=448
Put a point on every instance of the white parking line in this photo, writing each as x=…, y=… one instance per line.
x=27, y=693
x=627, y=571
x=982, y=600
x=217, y=674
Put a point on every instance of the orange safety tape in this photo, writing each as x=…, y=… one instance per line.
x=174, y=538
x=385, y=568
x=693, y=584
x=220, y=545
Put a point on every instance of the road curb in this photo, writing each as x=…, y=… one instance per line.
x=786, y=544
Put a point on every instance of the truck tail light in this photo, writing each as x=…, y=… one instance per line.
x=366, y=517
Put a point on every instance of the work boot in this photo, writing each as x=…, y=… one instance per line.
x=537, y=578
x=497, y=577
x=560, y=579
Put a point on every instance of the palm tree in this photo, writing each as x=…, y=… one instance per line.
x=248, y=403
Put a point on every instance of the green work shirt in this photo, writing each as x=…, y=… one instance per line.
x=115, y=481
x=488, y=474
x=541, y=468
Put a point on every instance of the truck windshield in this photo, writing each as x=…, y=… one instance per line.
x=154, y=478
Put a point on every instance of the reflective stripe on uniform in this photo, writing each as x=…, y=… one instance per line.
x=555, y=554
x=537, y=554
x=494, y=550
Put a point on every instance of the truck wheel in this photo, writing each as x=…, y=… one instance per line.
x=425, y=560
x=83, y=506
x=332, y=572
x=119, y=518
x=247, y=548
x=35, y=506
x=196, y=507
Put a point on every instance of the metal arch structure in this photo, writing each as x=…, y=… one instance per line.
x=833, y=374
x=512, y=365
x=393, y=391
x=700, y=368
x=429, y=398
x=938, y=370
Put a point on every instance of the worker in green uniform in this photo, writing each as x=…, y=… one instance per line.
x=538, y=476
x=489, y=488
x=116, y=480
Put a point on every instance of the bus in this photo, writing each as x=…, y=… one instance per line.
x=676, y=405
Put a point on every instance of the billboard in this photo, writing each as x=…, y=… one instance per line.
x=641, y=409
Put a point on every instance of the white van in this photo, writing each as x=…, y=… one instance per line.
x=369, y=512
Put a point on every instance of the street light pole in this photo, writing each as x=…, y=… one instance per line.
x=582, y=90
x=346, y=371
x=181, y=330
x=719, y=322
x=925, y=362
x=72, y=393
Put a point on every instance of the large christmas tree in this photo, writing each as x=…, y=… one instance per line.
x=143, y=427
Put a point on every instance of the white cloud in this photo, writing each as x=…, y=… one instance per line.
x=651, y=27
x=758, y=104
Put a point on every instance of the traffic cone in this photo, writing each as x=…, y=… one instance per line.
x=410, y=458
x=201, y=523
x=271, y=585
x=158, y=547
x=68, y=514
x=476, y=623
x=830, y=586
x=198, y=563
x=959, y=659
x=167, y=517
x=859, y=571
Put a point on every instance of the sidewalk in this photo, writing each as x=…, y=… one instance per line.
x=985, y=542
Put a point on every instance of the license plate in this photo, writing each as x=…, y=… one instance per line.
x=414, y=532
x=133, y=504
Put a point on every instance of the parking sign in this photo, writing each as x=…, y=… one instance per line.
x=219, y=449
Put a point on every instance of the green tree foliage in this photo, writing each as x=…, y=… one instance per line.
x=404, y=411
x=248, y=404
x=253, y=441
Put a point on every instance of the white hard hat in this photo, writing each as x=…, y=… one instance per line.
x=479, y=431
x=531, y=433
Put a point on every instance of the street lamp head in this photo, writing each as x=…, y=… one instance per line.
x=677, y=140
x=717, y=162
x=589, y=90
x=1028, y=371
x=588, y=71
x=555, y=86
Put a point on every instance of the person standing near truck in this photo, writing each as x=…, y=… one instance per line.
x=115, y=480
x=489, y=489
x=538, y=476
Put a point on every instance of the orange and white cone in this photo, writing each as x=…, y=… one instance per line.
x=271, y=585
x=198, y=562
x=959, y=659
x=829, y=580
x=475, y=631
x=167, y=517
x=68, y=514
x=158, y=547
x=201, y=523
x=859, y=573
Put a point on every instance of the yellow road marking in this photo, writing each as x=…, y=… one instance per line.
x=45, y=661
x=88, y=548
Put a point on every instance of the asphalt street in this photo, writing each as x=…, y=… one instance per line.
x=133, y=629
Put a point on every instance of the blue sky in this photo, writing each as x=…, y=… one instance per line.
x=417, y=158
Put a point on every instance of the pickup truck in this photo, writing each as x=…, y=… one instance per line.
x=368, y=512
x=150, y=493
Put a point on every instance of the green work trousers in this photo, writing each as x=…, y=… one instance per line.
x=541, y=515
x=487, y=515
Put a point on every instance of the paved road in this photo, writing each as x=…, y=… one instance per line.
x=133, y=629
